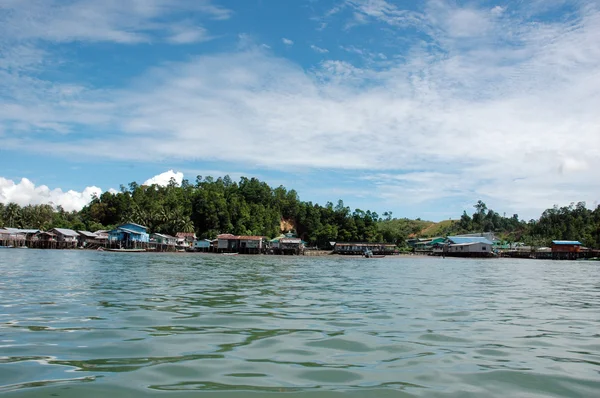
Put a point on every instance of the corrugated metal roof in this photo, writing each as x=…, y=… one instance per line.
x=185, y=235
x=246, y=237
x=132, y=223
x=165, y=236
x=129, y=231
x=239, y=237
x=467, y=239
x=88, y=234
x=566, y=242
x=22, y=231
x=65, y=231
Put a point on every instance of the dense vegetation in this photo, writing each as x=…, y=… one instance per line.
x=251, y=207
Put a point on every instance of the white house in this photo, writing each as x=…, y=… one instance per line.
x=463, y=246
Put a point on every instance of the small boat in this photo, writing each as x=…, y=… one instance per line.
x=6, y=247
x=229, y=254
x=369, y=254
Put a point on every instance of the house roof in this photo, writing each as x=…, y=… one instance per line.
x=65, y=231
x=185, y=235
x=469, y=239
x=21, y=231
x=290, y=240
x=88, y=234
x=129, y=231
x=165, y=236
x=239, y=237
x=566, y=242
x=132, y=223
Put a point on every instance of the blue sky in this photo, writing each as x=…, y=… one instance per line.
x=416, y=107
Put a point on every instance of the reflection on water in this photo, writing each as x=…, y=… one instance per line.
x=95, y=324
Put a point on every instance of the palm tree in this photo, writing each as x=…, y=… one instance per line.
x=12, y=214
x=187, y=226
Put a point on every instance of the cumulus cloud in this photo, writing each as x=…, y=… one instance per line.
x=163, y=179
x=26, y=192
x=287, y=42
x=499, y=108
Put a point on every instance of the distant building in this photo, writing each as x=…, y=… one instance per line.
x=467, y=246
x=164, y=239
x=566, y=246
x=487, y=235
x=568, y=250
x=241, y=243
x=358, y=248
x=102, y=234
x=86, y=237
x=129, y=232
x=12, y=237
x=429, y=244
x=186, y=239
x=46, y=240
x=202, y=245
x=66, y=236
x=290, y=246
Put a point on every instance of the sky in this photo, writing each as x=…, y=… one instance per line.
x=420, y=108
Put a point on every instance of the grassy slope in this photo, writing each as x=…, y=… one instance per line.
x=437, y=228
x=417, y=228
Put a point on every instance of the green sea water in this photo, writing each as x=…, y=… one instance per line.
x=93, y=324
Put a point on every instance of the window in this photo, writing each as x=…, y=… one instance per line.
x=483, y=248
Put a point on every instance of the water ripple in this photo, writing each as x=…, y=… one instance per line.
x=397, y=327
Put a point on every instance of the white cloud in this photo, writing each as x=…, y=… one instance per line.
x=188, y=34
x=381, y=10
x=507, y=121
x=163, y=179
x=102, y=20
x=319, y=49
x=498, y=10
x=287, y=42
x=26, y=192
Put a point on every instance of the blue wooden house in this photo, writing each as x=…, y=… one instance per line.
x=129, y=232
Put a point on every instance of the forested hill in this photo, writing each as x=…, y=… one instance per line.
x=208, y=207
x=251, y=207
x=573, y=222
